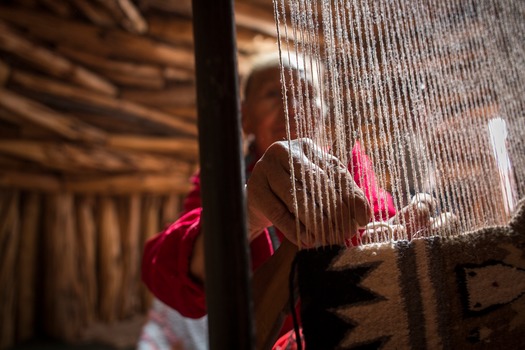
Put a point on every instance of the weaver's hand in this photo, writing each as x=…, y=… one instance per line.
x=416, y=216
x=329, y=205
x=414, y=220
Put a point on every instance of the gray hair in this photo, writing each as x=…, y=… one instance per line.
x=289, y=60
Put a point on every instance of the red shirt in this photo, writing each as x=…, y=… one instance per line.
x=165, y=264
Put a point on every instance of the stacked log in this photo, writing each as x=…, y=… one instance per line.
x=9, y=242
x=98, y=139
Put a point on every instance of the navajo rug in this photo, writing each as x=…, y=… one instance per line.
x=462, y=292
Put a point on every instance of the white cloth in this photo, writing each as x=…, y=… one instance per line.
x=166, y=329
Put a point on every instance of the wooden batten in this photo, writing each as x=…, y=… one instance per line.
x=167, y=124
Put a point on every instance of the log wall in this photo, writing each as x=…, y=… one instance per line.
x=71, y=262
x=98, y=139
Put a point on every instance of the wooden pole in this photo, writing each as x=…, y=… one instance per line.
x=9, y=241
x=63, y=291
x=131, y=252
x=27, y=266
x=228, y=293
x=110, y=263
x=150, y=227
x=87, y=236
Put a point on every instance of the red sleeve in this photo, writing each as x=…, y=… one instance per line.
x=365, y=178
x=165, y=266
x=166, y=259
x=193, y=199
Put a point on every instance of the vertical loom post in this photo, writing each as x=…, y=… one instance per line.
x=228, y=293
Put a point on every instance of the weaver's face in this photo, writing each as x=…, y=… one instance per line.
x=264, y=110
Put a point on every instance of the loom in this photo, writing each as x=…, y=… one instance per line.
x=434, y=93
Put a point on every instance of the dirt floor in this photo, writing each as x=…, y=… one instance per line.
x=118, y=336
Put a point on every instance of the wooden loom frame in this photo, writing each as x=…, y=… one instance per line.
x=222, y=177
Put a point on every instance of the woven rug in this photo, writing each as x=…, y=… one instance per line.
x=464, y=292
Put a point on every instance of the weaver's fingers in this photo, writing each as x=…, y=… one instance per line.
x=353, y=198
x=418, y=219
x=272, y=209
x=425, y=199
x=327, y=201
x=445, y=223
x=415, y=216
x=343, y=209
x=320, y=225
x=298, y=199
x=376, y=232
x=332, y=184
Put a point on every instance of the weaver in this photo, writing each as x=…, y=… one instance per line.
x=434, y=93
